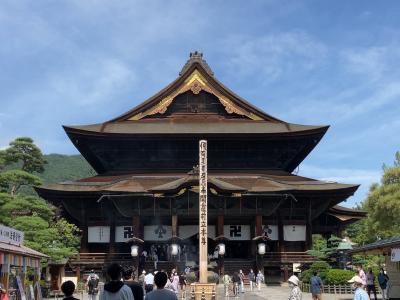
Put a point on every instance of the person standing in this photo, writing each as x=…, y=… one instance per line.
x=383, y=281
x=116, y=289
x=370, y=279
x=129, y=279
x=259, y=280
x=3, y=292
x=295, y=292
x=358, y=287
x=160, y=279
x=252, y=279
x=149, y=282
x=182, y=282
x=175, y=282
x=316, y=286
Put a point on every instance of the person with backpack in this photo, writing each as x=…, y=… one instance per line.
x=92, y=283
x=383, y=281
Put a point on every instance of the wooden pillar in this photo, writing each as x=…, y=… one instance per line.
x=111, y=248
x=84, y=230
x=220, y=224
x=259, y=230
x=280, y=234
x=136, y=226
x=308, y=243
x=174, y=222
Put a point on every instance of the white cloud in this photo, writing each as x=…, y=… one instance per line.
x=270, y=55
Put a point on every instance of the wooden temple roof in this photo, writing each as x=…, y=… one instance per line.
x=196, y=76
x=224, y=182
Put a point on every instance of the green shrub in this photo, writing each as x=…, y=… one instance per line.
x=338, y=276
x=319, y=266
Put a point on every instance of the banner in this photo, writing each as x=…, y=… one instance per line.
x=294, y=233
x=11, y=236
x=237, y=232
x=187, y=231
x=123, y=233
x=395, y=255
x=99, y=234
x=157, y=233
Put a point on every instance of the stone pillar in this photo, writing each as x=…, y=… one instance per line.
x=203, y=209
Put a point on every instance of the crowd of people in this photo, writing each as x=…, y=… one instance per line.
x=158, y=285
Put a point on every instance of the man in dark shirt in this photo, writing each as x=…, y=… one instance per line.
x=316, y=287
x=68, y=289
x=160, y=279
x=129, y=277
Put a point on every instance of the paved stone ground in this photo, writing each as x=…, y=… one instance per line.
x=271, y=293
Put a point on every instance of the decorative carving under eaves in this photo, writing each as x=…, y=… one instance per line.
x=195, y=83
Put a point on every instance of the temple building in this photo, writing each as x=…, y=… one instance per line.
x=147, y=183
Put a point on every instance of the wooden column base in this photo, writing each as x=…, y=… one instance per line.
x=208, y=289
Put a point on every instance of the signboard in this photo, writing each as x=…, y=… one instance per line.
x=20, y=288
x=294, y=233
x=11, y=236
x=157, y=233
x=203, y=228
x=270, y=231
x=99, y=234
x=237, y=232
x=123, y=233
x=395, y=255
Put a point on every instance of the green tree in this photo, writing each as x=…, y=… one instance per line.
x=12, y=180
x=382, y=206
x=44, y=230
x=22, y=150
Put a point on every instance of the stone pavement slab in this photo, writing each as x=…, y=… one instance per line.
x=270, y=293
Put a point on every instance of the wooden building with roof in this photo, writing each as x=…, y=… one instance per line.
x=147, y=184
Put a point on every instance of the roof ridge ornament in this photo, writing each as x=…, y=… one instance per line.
x=196, y=56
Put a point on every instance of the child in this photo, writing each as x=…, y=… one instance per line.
x=68, y=289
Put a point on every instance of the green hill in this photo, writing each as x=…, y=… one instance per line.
x=65, y=167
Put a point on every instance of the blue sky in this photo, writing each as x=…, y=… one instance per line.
x=307, y=62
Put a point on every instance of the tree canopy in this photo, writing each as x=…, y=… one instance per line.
x=382, y=206
x=44, y=229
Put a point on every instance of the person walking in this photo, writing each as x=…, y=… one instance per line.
x=175, y=282
x=241, y=276
x=370, y=279
x=92, y=282
x=383, y=281
x=116, y=289
x=252, y=279
x=226, y=280
x=316, y=286
x=129, y=279
x=236, y=282
x=358, y=287
x=295, y=292
x=160, y=279
x=259, y=280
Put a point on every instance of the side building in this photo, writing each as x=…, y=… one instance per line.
x=147, y=183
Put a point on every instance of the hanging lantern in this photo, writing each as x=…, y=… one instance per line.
x=174, y=249
x=221, y=249
x=134, y=250
x=261, y=248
